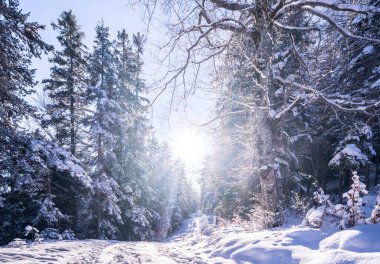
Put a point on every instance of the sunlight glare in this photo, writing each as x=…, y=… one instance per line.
x=188, y=145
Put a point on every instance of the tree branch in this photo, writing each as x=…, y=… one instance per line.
x=233, y=6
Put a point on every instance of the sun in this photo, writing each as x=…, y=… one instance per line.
x=188, y=145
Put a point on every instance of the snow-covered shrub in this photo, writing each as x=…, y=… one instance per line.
x=350, y=214
x=31, y=231
x=339, y=211
x=355, y=216
x=51, y=233
x=265, y=214
x=375, y=216
x=33, y=234
x=314, y=217
x=299, y=205
x=68, y=234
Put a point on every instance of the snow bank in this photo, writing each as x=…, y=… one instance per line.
x=358, y=239
x=297, y=245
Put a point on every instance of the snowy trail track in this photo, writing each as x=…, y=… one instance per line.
x=96, y=251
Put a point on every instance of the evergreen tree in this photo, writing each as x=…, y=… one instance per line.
x=66, y=86
x=105, y=121
x=375, y=215
x=130, y=140
x=354, y=201
x=45, y=187
x=20, y=42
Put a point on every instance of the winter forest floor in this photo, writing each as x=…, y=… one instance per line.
x=199, y=242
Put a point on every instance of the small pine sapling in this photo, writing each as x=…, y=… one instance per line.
x=314, y=217
x=339, y=211
x=375, y=216
x=355, y=216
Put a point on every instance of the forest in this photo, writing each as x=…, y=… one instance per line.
x=90, y=164
x=295, y=125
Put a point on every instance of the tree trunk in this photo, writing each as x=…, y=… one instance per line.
x=367, y=170
x=72, y=104
x=268, y=180
x=267, y=172
x=377, y=168
x=72, y=121
x=340, y=186
x=100, y=152
x=48, y=184
x=347, y=179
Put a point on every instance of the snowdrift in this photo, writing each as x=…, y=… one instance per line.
x=294, y=245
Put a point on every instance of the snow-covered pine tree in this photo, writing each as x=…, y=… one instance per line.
x=355, y=150
x=62, y=182
x=20, y=42
x=354, y=63
x=130, y=146
x=158, y=171
x=35, y=194
x=132, y=127
x=66, y=85
x=354, y=201
x=104, y=213
x=375, y=215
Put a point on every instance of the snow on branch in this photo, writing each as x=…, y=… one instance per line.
x=229, y=24
x=233, y=6
x=333, y=23
x=293, y=28
x=324, y=97
x=330, y=5
x=286, y=109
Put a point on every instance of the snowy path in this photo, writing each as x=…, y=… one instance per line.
x=96, y=251
x=200, y=243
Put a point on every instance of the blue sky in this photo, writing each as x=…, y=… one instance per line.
x=118, y=14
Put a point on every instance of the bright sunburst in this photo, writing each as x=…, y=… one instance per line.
x=188, y=145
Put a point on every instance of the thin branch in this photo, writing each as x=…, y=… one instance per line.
x=233, y=6
x=324, y=98
x=330, y=5
x=342, y=30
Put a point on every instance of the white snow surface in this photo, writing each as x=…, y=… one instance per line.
x=199, y=241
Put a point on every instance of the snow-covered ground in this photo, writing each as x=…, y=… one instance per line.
x=200, y=242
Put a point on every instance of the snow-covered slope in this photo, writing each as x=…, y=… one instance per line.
x=200, y=242
x=292, y=245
